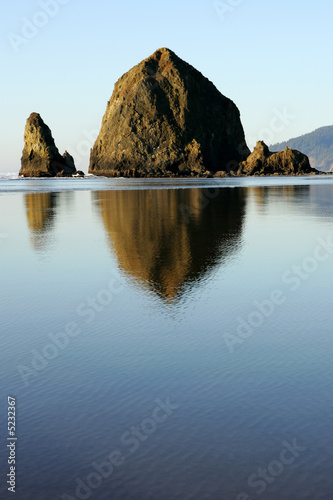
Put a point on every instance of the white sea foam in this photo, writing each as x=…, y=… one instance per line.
x=8, y=175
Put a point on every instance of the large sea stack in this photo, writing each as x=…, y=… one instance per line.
x=164, y=119
x=264, y=162
x=40, y=156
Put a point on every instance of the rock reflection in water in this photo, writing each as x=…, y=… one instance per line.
x=264, y=195
x=169, y=239
x=40, y=210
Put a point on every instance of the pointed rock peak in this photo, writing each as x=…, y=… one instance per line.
x=165, y=50
x=35, y=117
x=162, y=60
x=40, y=156
x=36, y=124
x=69, y=160
x=262, y=148
x=38, y=136
x=162, y=53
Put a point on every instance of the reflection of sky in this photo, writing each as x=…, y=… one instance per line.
x=138, y=348
x=322, y=198
x=71, y=258
x=76, y=242
x=281, y=229
x=75, y=255
x=75, y=259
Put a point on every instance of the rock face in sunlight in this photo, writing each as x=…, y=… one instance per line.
x=287, y=162
x=40, y=156
x=166, y=119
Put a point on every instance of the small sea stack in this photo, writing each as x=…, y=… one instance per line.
x=40, y=156
x=263, y=162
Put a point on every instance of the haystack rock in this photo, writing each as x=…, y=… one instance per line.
x=264, y=162
x=40, y=156
x=164, y=119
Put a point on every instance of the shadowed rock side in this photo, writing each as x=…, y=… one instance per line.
x=165, y=119
x=167, y=240
x=40, y=156
x=287, y=162
x=40, y=210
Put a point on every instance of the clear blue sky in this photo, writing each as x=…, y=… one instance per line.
x=269, y=57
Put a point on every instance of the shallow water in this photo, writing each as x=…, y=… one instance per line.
x=180, y=329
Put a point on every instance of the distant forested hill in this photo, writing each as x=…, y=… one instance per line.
x=318, y=145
